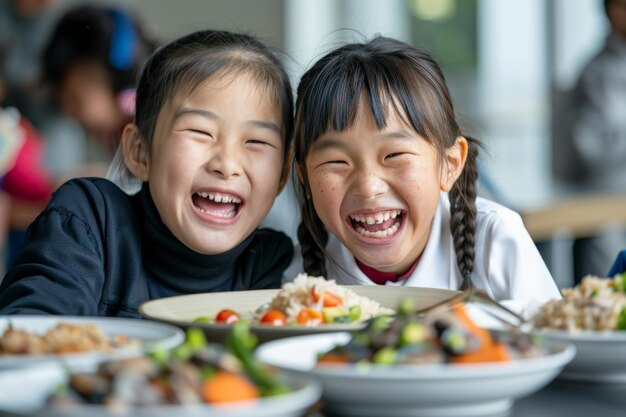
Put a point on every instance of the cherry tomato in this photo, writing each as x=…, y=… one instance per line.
x=227, y=316
x=274, y=317
x=309, y=317
x=329, y=299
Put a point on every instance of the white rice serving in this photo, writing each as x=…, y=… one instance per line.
x=296, y=295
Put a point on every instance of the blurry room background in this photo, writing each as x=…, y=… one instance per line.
x=507, y=62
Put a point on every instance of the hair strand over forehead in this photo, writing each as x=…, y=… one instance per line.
x=180, y=66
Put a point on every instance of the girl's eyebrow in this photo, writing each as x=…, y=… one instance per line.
x=330, y=142
x=397, y=134
x=200, y=112
x=264, y=124
x=260, y=124
x=327, y=143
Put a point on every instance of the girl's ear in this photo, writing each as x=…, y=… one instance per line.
x=455, y=158
x=135, y=152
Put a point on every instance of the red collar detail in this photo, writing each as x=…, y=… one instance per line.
x=381, y=278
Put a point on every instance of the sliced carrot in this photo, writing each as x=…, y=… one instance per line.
x=333, y=359
x=309, y=317
x=489, y=351
x=460, y=312
x=494, y=352
x=329, y=299
x=227, y=387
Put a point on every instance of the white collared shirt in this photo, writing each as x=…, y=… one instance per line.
x=507, y=264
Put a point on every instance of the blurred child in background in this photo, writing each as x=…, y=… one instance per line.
x=25, y=183
x=92, y=61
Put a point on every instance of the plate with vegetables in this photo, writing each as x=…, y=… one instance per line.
x=592, y=316
x=435, y=362
x=306, y=305
x=195, y=379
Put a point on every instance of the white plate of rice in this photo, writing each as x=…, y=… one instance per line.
x=373, y=300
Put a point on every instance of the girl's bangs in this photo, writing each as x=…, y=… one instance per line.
x=335, y=101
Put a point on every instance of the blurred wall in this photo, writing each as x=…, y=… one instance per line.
x=170, y=19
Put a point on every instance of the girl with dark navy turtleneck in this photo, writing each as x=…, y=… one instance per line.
x=209, y=147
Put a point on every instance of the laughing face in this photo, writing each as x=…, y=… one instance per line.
x=216, y=163
x=377, y=190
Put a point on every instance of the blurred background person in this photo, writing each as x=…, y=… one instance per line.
x=25, y=28
x=595, y=128
x=25, y=183
x=91, y=63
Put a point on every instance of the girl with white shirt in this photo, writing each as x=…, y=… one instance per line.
x=387, y=182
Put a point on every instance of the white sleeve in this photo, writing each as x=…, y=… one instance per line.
x=513, y=266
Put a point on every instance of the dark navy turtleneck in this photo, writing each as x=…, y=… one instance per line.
x=97, y=251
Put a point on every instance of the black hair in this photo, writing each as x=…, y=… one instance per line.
x=180, y=66
x=607, y=4
x=104, y=35
x=385, y=72
x=177, y=68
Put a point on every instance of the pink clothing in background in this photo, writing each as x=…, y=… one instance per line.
x=28, y=179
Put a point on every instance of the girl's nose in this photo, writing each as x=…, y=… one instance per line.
x=226, y=161
x=368, y=184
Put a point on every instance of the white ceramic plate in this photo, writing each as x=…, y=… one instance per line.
x=23, y=393
x=183, y=310
x=600, y=356
x=415, y=390
x=149, y=335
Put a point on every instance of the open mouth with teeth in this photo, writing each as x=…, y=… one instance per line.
x=217, y=204
x=377, y=225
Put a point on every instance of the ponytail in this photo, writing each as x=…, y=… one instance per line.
x=462, y=198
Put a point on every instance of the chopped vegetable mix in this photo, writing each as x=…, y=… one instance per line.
x=193, y=373
x=306, y=301
x=445, y=334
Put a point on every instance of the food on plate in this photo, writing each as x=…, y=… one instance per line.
x=308, y=301
x=63, y=338
x=195, y=372
x=597, y=304
x=445, y=334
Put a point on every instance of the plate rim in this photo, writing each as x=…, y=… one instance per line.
x=588, y=336
x=263, y=329
x=175, y=338
x=563, y=354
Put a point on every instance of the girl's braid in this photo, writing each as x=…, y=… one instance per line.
x=313, y=238
x=462, y=198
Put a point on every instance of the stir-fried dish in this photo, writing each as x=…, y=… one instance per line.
x=308, y=301
x=597, y=304
x=446, y=334
x=196, y=372
x=61, y=339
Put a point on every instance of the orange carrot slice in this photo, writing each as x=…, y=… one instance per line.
x=227, y=387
